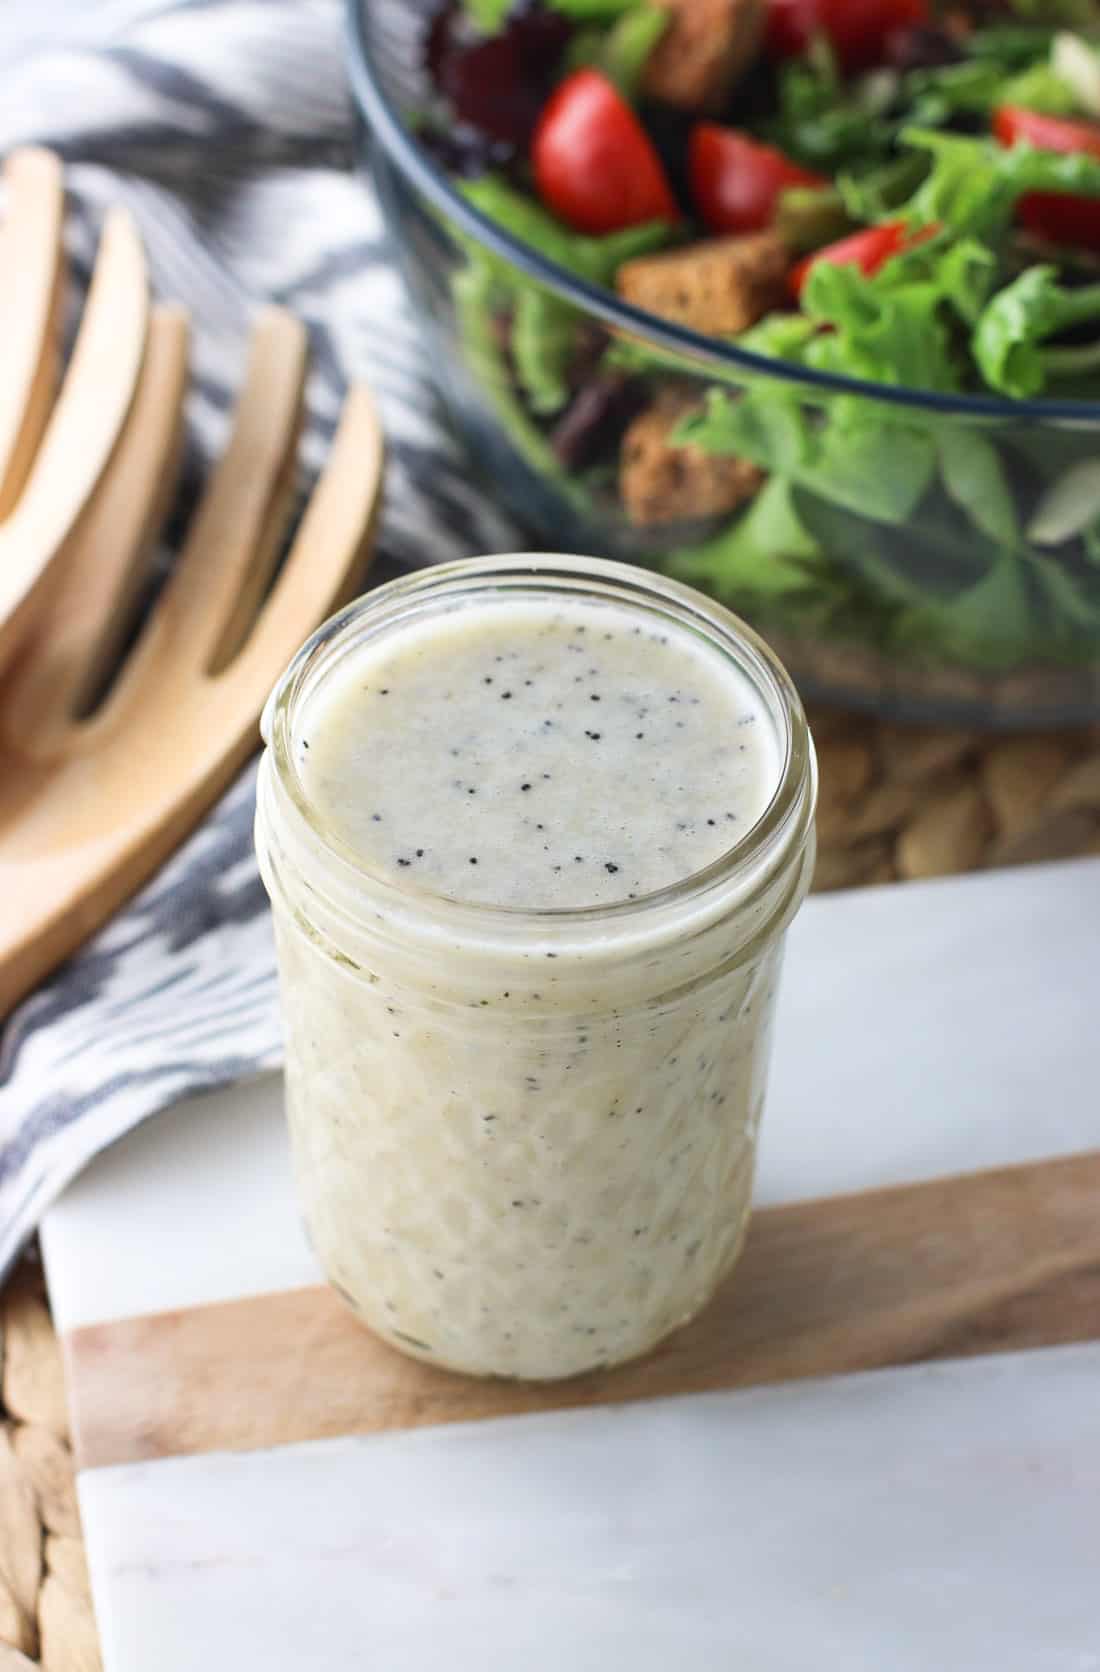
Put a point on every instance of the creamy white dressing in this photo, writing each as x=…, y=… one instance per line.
x=529, y=1156
x=539, y=756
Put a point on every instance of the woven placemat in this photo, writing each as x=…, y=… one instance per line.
x=895, y=804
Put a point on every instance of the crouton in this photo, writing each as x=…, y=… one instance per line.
x=706, y=47
x=719, y=287
x=659, y=483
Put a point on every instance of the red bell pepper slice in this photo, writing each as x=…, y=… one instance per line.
x=868, y=250
x=1060, y=217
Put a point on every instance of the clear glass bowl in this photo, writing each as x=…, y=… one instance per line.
x=954, y=575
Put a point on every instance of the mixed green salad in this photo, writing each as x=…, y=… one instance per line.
x=892, y=192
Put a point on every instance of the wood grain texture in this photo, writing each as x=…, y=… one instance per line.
x=80, y=435
x=91, y=806
x=980, y=1263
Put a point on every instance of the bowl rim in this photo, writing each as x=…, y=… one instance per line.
x=386, y=124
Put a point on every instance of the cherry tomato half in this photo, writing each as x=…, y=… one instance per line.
x=857, y=29
x=868, y=250
x=1060, y=217
x=595, y=166
x=735, y=182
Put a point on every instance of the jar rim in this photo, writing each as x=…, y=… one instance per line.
x=781, y=829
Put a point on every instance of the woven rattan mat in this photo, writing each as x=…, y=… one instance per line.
x=895, y=804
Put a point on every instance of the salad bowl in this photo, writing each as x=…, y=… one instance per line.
x=850, y=384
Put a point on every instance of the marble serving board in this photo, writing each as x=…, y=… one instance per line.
x=879, y=1449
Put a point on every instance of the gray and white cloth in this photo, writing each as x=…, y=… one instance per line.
x=224, y=125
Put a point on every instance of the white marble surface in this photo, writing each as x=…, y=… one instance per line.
x=923, y=1030
x=195, y=1206
x=942, y=1518
x=939, y=1517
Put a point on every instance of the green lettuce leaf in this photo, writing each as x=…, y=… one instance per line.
x=859, y=456
x=825, y=122
x=895, y=326
x=1010, y=340
x=884, y=330
x=474, y=289
x=544, y=328
x=1072, y=600
x=1014, y=45
x=489, y=15
x=990, y=625
x=871, y=462
x=767, y=562
x=973, y=184
x=1065, y=14
x=595, y=259
x=974, y=477
x=852, y=125
x=623, y=51
x=766, y=425
x=876, y=193
x=1070, y=505
x=966, y=272
x=785, y=335
x=1039, y=88
x=543, y=337
x=976, y=86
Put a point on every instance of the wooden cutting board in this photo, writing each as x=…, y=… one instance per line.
x=254, y=1493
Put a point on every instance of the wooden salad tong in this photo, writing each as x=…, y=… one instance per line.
x=96, y=791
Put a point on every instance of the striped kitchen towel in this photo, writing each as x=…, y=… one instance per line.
x=224, y=125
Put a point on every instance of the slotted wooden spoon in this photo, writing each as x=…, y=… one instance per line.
x=90, y=805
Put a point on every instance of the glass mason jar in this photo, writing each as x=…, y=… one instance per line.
x=524, y=1141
